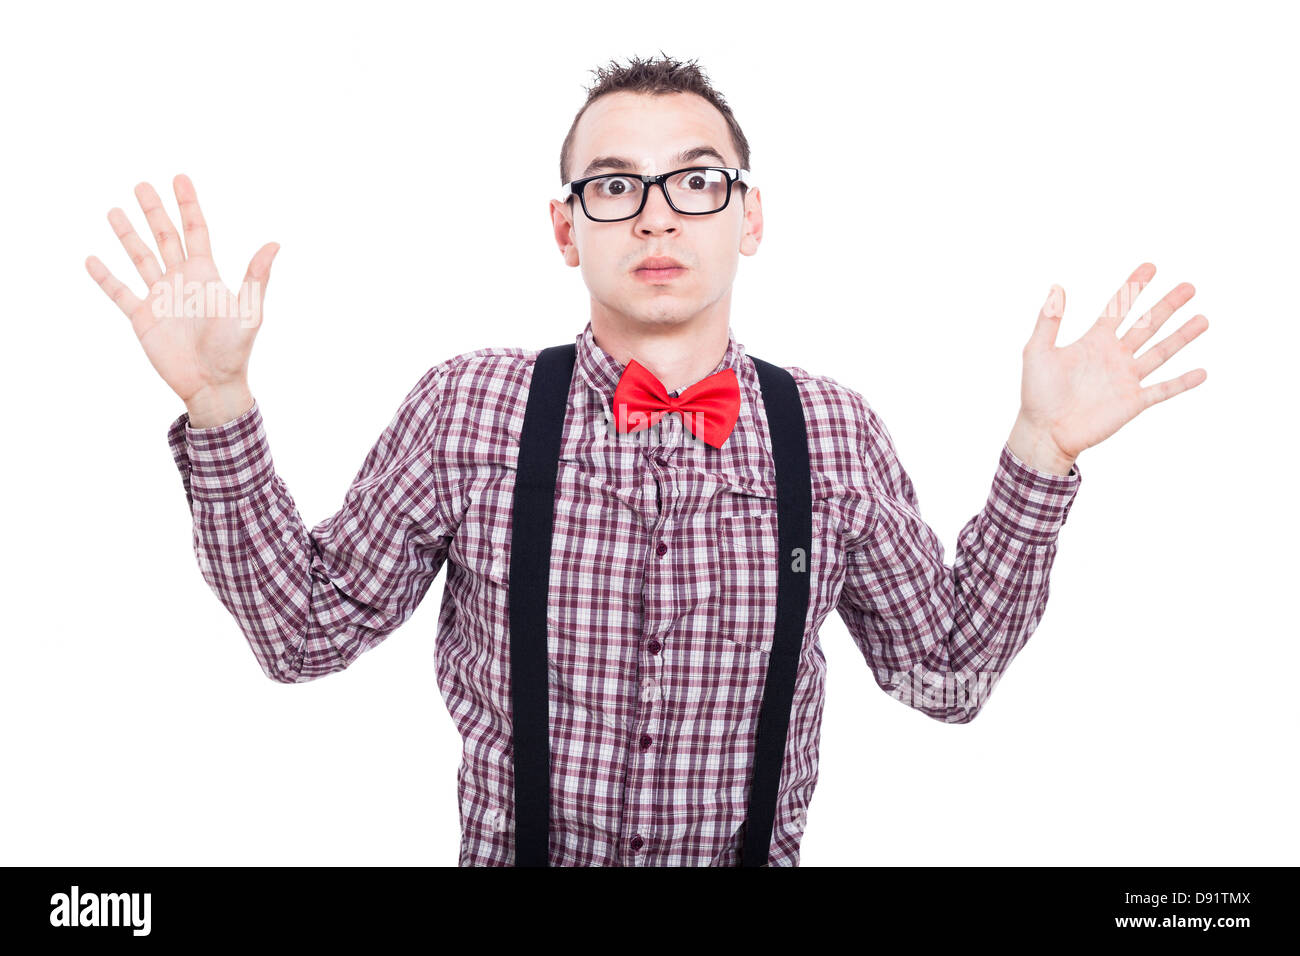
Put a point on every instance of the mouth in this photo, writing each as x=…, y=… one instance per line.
x=658, y=275
x=658, y=269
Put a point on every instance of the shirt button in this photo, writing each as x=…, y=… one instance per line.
x=661, y=549
x=637, y=842
x=654, y=647
x=646, y=741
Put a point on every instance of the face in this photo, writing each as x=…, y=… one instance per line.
x=652, y=133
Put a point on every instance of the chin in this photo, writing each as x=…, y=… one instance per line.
x=666, y=317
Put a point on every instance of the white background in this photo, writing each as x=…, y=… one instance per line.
x=927, y=171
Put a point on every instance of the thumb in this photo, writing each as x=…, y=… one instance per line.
x=1049, y=320
x=253, y=289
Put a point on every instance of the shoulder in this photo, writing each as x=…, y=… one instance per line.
x=475, y=400
x=830, y=404
x=828, y=395
x=480, y=370
x=475, y=381
x=843, y=427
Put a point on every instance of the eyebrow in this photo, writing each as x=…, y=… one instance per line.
x=685, y=156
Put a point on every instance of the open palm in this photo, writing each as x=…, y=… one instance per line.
x=196, y=332
x=1082, y=393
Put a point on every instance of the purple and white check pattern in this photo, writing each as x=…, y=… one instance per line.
x=662, y=591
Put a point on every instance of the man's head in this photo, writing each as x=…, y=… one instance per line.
x=656, y=117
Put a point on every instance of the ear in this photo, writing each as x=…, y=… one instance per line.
x=565, y=231
x=752, y=223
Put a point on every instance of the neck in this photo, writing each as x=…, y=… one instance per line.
x=678, y=355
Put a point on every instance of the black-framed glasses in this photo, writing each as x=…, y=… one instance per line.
x=693, y=191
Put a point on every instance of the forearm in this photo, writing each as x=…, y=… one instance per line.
x=985, y=608
x=259, y=558
x=938, y=637
x=252, y=547
x=310, y=601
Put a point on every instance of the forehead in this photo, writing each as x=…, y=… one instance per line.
x=649, y=130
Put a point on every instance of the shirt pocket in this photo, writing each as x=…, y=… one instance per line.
x=748, y=574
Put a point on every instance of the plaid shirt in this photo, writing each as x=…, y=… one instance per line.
x=662, y=592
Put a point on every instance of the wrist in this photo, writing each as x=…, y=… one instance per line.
x=216, y=405
x=1034, y=446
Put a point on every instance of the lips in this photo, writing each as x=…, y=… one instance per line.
x=658, y=262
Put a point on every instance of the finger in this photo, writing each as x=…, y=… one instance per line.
x=252, y=291
x=144, y=260
x=192, y=221
x=125, y=299
x=160, y=224
x=1155, y=394
x=1049, y=320
x=1122, y=300
x=1148, y=323
x=1158, y=354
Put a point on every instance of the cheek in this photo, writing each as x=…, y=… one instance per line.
x=598, y=256
x=718, y=264
x=594, y=261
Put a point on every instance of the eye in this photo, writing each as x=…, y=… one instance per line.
x=615, y=186
x=700, y=180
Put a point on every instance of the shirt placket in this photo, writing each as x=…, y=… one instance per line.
x=640, y=838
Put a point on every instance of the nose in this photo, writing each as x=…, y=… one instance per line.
x=657, y=216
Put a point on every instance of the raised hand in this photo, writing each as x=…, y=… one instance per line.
x=1074, y=397
x=197, y=334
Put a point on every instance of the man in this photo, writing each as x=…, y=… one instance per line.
x=660, y=597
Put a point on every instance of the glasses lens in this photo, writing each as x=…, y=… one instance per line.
x=692, y=191
x=612, y=197
x=698, y=190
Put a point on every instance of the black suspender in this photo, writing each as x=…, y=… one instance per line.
x=530, y=573
x=530, y=562
x=785, y=422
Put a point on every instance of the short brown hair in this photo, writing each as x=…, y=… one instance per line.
x=656, y=77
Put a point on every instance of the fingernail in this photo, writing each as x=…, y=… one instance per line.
x=1053, y=306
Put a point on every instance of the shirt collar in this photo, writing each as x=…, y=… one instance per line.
x=602, y=372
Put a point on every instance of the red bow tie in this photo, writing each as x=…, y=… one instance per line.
x=709, y=408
